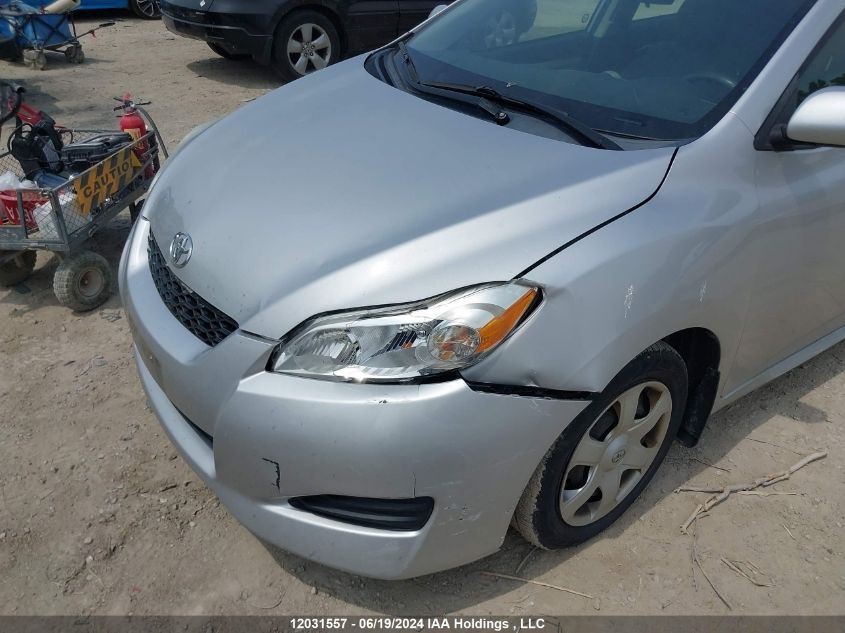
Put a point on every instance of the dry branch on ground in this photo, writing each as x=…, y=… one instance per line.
x=725, y=491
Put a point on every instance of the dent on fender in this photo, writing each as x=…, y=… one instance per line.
x=531, y=392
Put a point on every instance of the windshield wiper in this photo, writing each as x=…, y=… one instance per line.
x=561, y=119
x=499, y=116
x=406, y=57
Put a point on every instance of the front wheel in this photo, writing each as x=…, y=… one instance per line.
x=607, y=455
x=146, y=9
x=83, y=281
x=305, y=41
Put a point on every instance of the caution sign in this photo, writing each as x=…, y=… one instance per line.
x=105, y=179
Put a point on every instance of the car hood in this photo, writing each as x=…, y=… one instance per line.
x=340, y=191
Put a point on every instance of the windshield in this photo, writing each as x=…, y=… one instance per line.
x=662, y=69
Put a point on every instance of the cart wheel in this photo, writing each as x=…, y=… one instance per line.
x=74, y=54
x=16, y=269
x=83, y=281
x=35, y=59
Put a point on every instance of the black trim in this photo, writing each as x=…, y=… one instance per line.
x=398, y=515
x=205, y=437
x=699, y=406
x=531, y=392
x=198, y=316
x=603, y=224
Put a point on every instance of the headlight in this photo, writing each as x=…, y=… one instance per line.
x=404, y=342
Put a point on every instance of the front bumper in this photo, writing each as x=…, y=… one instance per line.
x=237, y=33
x=258, y=439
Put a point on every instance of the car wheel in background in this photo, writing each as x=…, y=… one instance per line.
x=226, y=54
x=607, y=455
x=147, y=9
x=305, y=41
x=500, y=30
x=506, y=22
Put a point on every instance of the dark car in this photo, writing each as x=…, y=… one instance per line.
x=294, y=36
x=299, y=36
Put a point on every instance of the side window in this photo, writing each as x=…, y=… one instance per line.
x=826, y=67
x=648, y=10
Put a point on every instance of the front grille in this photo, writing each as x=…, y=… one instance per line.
x=202, y=319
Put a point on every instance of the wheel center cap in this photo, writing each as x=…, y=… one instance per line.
x=614, y=453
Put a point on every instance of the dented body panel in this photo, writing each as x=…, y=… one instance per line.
x=454, y=227
x=740, y=242
x=271, y=437
x=628, y=248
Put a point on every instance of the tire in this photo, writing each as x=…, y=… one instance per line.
x=145, y=9
x=17, y=269
x=565, y=502
x=226, y=54
x=83, y=281
x=305, y=41
x=74, y=54
x=35, y=59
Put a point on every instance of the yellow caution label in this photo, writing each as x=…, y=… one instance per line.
x=105, y=179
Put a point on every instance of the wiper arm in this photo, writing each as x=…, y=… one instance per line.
x=569, y=124
x=561, y=119
x=406, y=57
x=499, y=116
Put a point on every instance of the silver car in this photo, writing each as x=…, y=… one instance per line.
x=467, y=282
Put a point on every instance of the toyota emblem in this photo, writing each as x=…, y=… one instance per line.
x=180, y=249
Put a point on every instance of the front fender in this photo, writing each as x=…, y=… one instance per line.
x=683, y=260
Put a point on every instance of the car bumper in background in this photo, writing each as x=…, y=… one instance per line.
x=237, y=34
x=260, y=440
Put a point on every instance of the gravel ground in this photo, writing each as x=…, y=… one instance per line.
x=98, y=514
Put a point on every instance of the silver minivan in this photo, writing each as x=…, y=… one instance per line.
x=487, y=274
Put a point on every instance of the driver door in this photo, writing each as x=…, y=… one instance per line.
x=799, y=295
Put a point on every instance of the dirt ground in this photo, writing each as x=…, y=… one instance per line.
x=99, y=515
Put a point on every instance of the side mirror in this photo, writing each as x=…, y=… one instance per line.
x=820, y=119
x=437, y=9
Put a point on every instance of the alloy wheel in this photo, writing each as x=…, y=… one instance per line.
x=309, y=48
x=500, y=30
x=147, y=9
x=615, y=453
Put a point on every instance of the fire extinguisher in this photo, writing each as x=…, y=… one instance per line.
x=133, y=124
